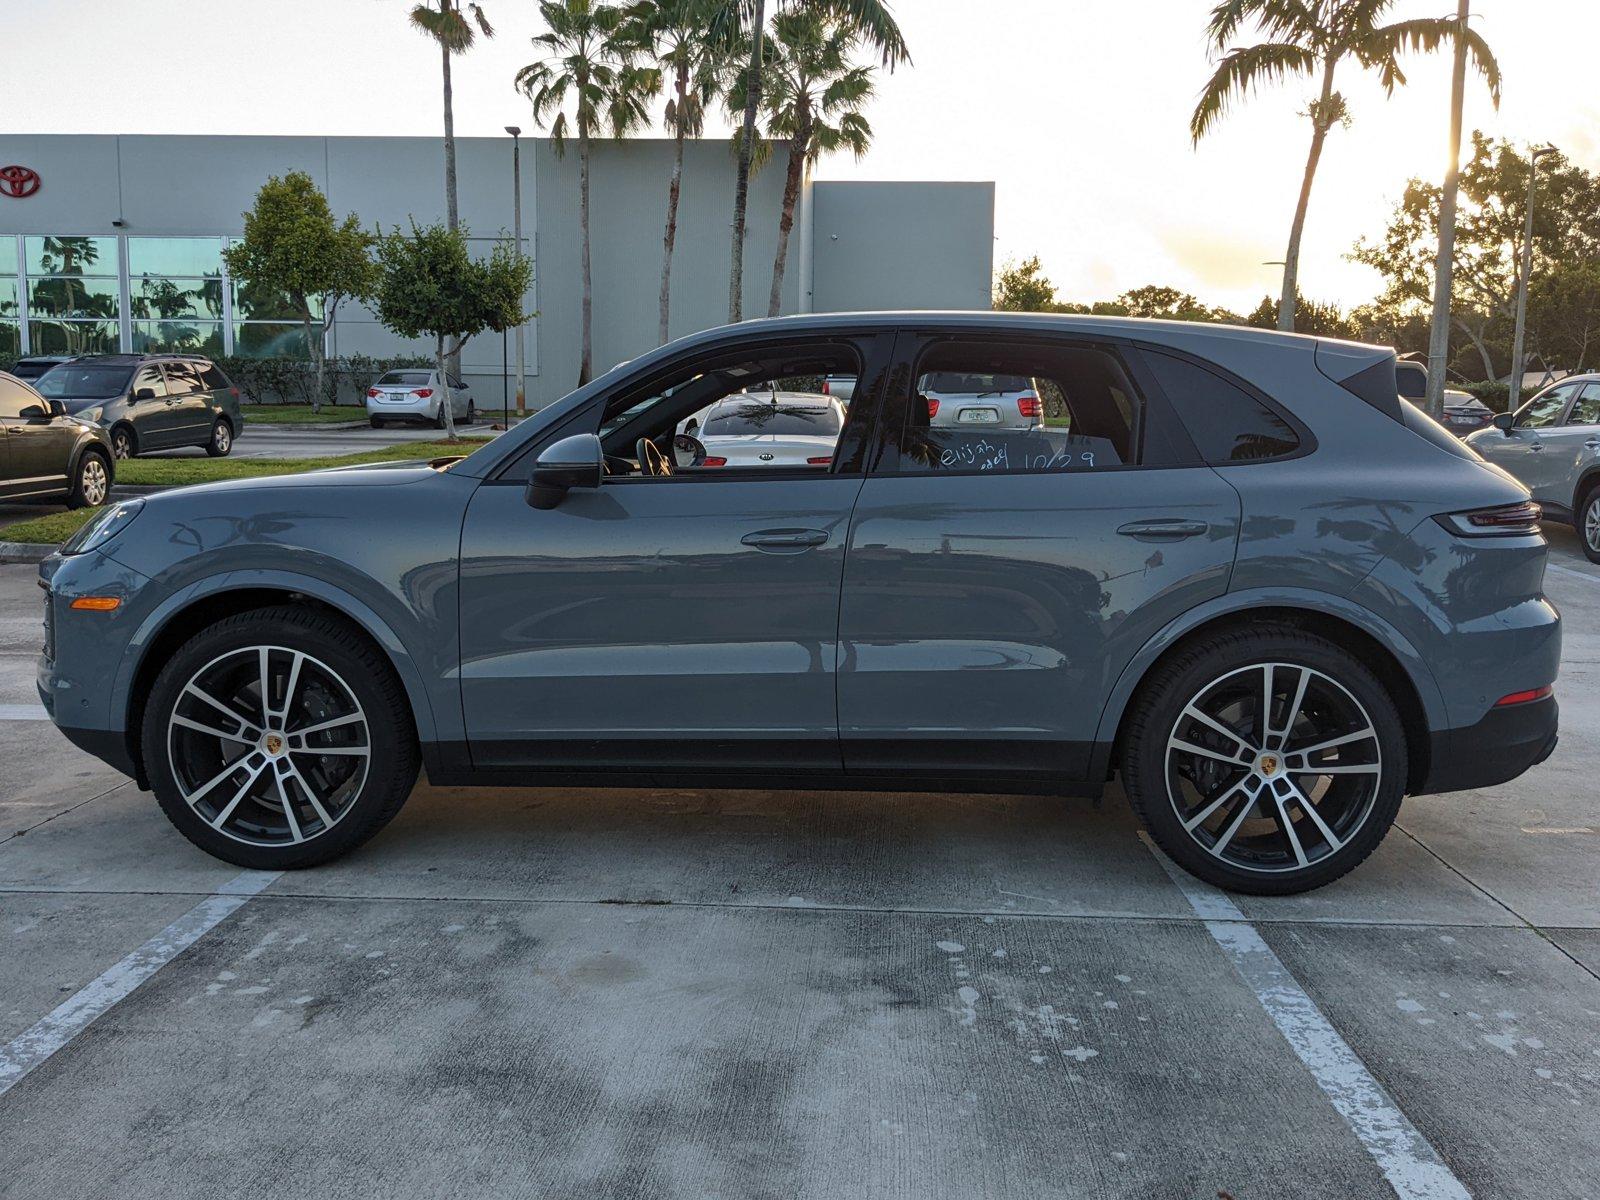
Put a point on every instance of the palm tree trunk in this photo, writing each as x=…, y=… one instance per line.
x=673, y=193
x=586, y=353
x=1291, y=259
x=741, y=186
x=791, y=195
x=451, y=217
x=444, y=387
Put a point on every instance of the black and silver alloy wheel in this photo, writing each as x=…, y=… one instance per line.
x=93, y=482
x=1273, y=767
x=1265, y=759
x=1589, y=526
x=122, y=445
x=221, y=439
x=279, y=738
x=268, y=745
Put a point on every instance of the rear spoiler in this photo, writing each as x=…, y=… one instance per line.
x=1366, y=372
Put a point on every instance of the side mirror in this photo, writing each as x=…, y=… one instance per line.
x=1503, y=422
x=145, y=393
x=34, y=412
x=58, y=408
x=573, y=462
x=688, y=451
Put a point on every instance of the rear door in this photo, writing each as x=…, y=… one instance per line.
x=1576, y=444
x=998, y=580
x=188, y=404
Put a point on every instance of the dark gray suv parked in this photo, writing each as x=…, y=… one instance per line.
x=1238, y=571
x=47, y=455
x=150, y=401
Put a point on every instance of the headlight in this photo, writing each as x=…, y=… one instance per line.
x=90, y=416
x=102, y=527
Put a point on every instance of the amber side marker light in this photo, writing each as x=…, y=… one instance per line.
x=112, y=603
x=1525, y=697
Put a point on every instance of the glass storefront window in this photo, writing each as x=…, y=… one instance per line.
x=58, y=255
x=169, y=299
x=8, y=254
x=257, y=304
x=196, y=337
x=270, y=340
x=193, y=257
x=73, y=296
x=10, y=338
x=8, y=297
x=73, y=337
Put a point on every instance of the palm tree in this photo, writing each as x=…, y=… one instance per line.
x=813, y=99
x=876, y=27
x=1311, y=38
x=446, y=22
x=588, y=65
x=676, y=32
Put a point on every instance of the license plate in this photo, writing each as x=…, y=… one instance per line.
x=979, y=416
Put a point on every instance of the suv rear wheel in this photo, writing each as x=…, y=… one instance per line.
x=1265, y=761
x=1588, y=523
x=279, y=738
x=221, y=439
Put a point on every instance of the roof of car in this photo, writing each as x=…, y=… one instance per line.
x=135, y=359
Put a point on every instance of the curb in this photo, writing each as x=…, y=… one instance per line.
x=26, y=552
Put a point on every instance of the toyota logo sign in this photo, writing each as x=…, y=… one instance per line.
x=18, y=182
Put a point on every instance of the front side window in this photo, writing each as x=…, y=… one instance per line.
x=14, y=397
x=1545, y=410
x=979, y=408
x=149, y=377
x=1226, y=423
x=1586, y=410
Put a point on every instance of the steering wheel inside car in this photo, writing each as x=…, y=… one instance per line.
x=651, y=460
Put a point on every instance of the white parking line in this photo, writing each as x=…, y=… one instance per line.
x=1576, y=574
x=101, y=994
x=23, y=712
x=1408, y=1161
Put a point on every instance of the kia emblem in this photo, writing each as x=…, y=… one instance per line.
x=18, y=182
x=764, y=457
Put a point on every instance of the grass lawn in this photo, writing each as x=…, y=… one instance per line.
x=176, y=472
x=301, y=414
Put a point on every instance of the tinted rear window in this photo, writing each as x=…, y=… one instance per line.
x=404, y=378
x=784, y=420
x=1228, y=424
x=72, y=381
x=214, y=379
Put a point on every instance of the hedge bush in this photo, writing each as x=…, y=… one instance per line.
x=292, y=381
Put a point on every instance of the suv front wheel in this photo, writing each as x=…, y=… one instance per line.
x=279, y=738
x=1588, y=523
x=1267, y=761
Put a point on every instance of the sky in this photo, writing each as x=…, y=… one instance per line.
x=1077, y=109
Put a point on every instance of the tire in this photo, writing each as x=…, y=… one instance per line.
x=472, y=413
x=91, y=482
x=375, y=422
x=221, y=441
x=1587, y=522
x=438, y=418
x=124, y=442
x=1309, y=828
x=237, y=785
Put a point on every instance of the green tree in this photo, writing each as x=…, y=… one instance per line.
x=1157, y=301
x=876, y=28
x=1488, y=243
x=1023, y=287
x=1564, y=314
x=1312, y=38
x=813, y=97
x=588, y=67
x=455, y=27
x=1310, y=316
x=677, y=33
x=294, y=248
x=430, y=286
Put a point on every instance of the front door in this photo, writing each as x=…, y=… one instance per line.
x=681, y=621
x=188, y=405
x=36, y=446
x=998, y=580
x=148, y=411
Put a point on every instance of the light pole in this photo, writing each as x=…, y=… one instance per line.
x=1444, y=268
x=1514, y=384
x=516, y=232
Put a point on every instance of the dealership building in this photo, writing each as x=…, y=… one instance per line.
x=114, y=243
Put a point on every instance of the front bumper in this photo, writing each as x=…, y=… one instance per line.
x=1507, y=742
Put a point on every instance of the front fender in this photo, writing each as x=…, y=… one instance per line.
x=1323, y=604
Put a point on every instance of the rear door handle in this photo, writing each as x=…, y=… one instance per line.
x=785, y=540
x=1536, y=448
x=1163, y=529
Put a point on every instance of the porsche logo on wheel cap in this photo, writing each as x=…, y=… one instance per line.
x=1269, y=764
x=274, y=744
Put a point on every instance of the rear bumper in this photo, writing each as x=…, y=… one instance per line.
x=1507, y=742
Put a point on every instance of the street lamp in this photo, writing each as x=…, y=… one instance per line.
x=516, y=232
x=1514, y=384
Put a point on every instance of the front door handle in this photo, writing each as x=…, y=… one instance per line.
x=1592, y=444
x=785, y=540
x=1163, y=529
x=1536, y=448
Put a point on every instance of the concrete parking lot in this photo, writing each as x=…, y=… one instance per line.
x=556, y=993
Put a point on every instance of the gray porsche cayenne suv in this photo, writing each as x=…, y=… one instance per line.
x=1236, y=572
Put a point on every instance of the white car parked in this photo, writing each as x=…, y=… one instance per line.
x=960, y=398
x=415, y=395
x=771, y=429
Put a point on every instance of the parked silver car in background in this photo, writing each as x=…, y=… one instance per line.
x=963, y=398
x=1552, y=445
x=780, y=429
x=415, y=395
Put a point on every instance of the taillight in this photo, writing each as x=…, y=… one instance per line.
x=373, y=393
x=235, y=392
x=824, y=461
x=1527, y=697
x=1029, y=406
x=825, y=390
x=423, y=392
x=1505, y=520
x=933, y=407
x=714, y=461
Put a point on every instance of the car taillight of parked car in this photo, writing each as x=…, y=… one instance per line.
x=373, y=393
x=933, y=407
x=825, y=390
x=423, y=392
x=235, y=393
x=825, y=460
x=1029, y=406
x=714, y=461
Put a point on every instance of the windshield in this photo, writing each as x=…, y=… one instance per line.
x=84, y=381
x=405, y=378
x=953, y=382
x=786, y=420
